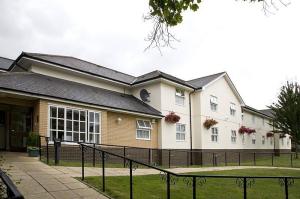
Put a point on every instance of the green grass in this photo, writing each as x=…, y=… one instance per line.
x=152, y=187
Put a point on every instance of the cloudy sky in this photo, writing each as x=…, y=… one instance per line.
x=260, y=53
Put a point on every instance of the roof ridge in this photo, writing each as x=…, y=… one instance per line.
x=52, y=55
x=207, y=76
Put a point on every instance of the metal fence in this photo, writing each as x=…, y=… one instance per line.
x=8, y=189
x=193, y=183
x=166, y=158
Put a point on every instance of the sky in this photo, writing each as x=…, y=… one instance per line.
x=259, y=52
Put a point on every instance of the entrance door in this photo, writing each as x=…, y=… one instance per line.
x=2, y=130
x=20, y=126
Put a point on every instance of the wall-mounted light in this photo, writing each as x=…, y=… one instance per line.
x=119, y=120
x=153, y=121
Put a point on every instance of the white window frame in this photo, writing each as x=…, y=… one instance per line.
x=180, y=132
x=94, y=123
x=253, y=140
x=179, y=97
x=233, y=136
x=213, y=103
x=143, y=128
x=214, y=134
x=72, y=120
x=232, y=109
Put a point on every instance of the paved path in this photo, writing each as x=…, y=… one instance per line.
x=35, y=179
x=91, y=171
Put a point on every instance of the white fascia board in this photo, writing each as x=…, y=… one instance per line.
x=78, y=103
x=76, y=71
x=162, y=80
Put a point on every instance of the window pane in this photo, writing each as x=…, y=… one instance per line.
x=91, y=129
x=82, y=126
x=69, y=114
x=75, y=115
x=96, y=128
x=53, y=111
x=140, y=124
x=76, y=137
x=75, y=126
x=147, y=124
x=69, y=136
x=82, y=115
x=97, y=117
x=52, y=135
x=91, y=116
x=69, y=125
x=143, y=134
x=61, y=113
x=82, y=137
x=53, y=124
x=179, y=100
x=61, y=135
x=91, y=137
x=61, y=124
x=97, y=138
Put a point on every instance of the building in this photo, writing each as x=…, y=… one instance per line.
x=72, y=99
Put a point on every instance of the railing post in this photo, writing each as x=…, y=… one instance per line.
x=94, y=155
x=149, y=156
x=47, y=146
x=291, y=159
x=225, y=158
x=40, y=148
x=273, y=159
x=124, y=155
x=169, y=158
x=194, y=187
x=286, y=188
x=239, y=158
x=131, y=180
x=82, y=162
x=168, y=186
x=254, y=159
x=103, y=170
x=245, y=187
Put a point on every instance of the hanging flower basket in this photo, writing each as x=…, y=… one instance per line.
x=270, y=134
x=209, y=123
x=244, y=130
x=172, y=118
x=282, y=136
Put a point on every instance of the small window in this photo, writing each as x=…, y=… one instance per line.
x=180, y=132
x=253, y=139
x=233, y=136
x=143, y=130
x=232, y=109
x=179, y=97
x=214, y=134
x=213, y=103
x=263, y=139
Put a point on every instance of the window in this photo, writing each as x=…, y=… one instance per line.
x=71, y=124
x=232, y=109
x=143, y=129
x=263, y=139
x=233, y=136
x=180, y=132
x=179, y=97
x=213, y=103
x=214, y=134
x=253, y=139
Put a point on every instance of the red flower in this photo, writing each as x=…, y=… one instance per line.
x=244, y=129
x=172, y=118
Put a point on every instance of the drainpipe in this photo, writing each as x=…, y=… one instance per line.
x=191, y=131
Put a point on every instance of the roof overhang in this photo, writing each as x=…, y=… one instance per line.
x=254, y=111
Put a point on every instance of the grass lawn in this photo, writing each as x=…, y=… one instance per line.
x=152, y=187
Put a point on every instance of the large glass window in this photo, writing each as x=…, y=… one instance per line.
x=71, y=124
x=179, y=97
x=180, y=132
x=143, y=131
x=214, y=134
x=213, y=103
x=233, y=136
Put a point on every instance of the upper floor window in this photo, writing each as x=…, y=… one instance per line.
x=143, y=131
x=214, y=134
x=232, y=109
x=180, y=132
x=263, y=139
x=253, y=139
x=179, y=97
x=213, y=103
x=233, y=136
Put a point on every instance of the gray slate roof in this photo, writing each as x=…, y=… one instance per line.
x=158, y=74
x=263, y=112
x=83, y=66
x=268, y=112
x=5, y=63
x=52, y=87
x=202, y=81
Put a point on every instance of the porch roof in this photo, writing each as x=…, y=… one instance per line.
x=46, y=86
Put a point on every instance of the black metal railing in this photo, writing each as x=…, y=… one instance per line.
x=169, y=158
x=170, y=178
x=10, y=190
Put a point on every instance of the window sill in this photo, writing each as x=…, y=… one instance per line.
x=180, y=140
x=143, y=139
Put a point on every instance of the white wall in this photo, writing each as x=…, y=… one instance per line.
x=79, y=78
